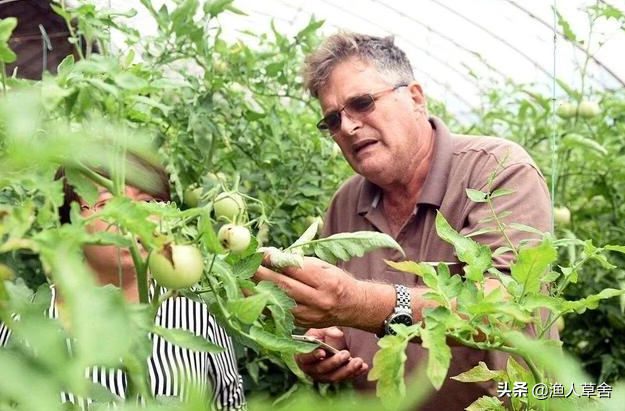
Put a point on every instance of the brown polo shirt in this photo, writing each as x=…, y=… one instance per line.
x=459, y=162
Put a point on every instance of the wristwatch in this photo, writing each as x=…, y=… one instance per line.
x=402, y=314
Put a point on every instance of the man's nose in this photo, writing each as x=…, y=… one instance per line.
x=349, y=123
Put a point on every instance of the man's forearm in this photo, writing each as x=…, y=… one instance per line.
x=376, y=301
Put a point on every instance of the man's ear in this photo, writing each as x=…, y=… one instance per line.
x=416, y=93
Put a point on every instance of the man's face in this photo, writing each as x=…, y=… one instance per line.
x=380, y=144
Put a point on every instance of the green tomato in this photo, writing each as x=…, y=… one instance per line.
x=310, y=220
x=561, y=215
x=588, y=109
x=192, y=196
x=178, y=266
x=6, y=273
x=566, y=109
x=228, y=205
x=215, y=178
x=234, y=238
x=220, y=66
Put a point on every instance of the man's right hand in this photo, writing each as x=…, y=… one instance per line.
x=338, y=367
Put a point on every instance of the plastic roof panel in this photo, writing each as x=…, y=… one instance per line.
x=456, y=46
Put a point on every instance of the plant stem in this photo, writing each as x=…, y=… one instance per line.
x=501, y=228
x=95, y=177
x=72, y=33
x=4, y=78
x=220, y=304
x=141, y=268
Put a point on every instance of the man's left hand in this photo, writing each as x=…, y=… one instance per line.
x=325, y=294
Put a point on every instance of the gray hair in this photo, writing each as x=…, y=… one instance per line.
x=388, y=59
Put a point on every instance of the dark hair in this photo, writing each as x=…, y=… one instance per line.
x=149, y=177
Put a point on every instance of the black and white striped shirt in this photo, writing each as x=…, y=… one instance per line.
x=172, y=368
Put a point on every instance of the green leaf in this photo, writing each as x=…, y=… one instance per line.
x=388, y=370
x=280, y=305
x=480, y=373
x=278, y=343
x=500, y=216
x=279, y=259
x=186, y=339
x=434, y=339
x=344, y=246
x=84, y=187
x=498, y=308
x=129, y=81
x=6, y=54
x=619, y=248
x=500, y=192
x=208, y=236
x=592, y=301
x=566, y=28
x=536, y=301
x=245, y=268
x=52, y=94
x=574, y=140
x=312, y=27
x=476, y=256
x=532, y=264
x=99, y=393
x=216, y=7
x=487, y=403
x=526, y=228
x=25, y=380
x=223, y=271
x=7, y=25
x=308, y=235
x=476, y=195
x=248, y=309
x=424, y=270
x=480, y=232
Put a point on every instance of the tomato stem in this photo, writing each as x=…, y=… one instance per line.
x=141, y=269
x=95, y=177
x=220, y=304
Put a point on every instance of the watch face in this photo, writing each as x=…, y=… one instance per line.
x=402, y=319
x=398, y=319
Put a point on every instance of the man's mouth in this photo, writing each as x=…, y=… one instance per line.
x=358, y=147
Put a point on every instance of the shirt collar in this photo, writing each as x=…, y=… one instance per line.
x=435, y=184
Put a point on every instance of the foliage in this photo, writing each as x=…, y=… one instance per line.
x=231, y=116
x=583, y=158
x=466, y=311
x=206, y=104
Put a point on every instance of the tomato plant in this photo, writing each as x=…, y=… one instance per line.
x=237, y=123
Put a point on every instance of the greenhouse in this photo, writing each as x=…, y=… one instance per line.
x=292, y=205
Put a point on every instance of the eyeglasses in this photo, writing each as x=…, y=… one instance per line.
x=97, y=206
x=355, y=107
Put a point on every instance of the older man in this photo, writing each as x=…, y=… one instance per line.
x=409, y=167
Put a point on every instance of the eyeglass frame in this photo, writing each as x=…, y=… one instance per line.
x=323, y=126
x=99, y=205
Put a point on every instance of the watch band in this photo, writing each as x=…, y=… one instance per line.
x=403, y=297
x=402, y=313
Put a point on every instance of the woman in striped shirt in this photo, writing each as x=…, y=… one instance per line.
x=171, y=368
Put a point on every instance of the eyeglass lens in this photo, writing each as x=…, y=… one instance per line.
x=357, y=105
